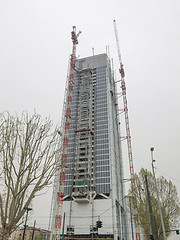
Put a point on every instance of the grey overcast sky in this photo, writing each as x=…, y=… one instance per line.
x=35, y=45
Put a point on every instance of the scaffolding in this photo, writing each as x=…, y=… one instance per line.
x=83, y=174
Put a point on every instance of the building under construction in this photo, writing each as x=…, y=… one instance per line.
x=88, y=196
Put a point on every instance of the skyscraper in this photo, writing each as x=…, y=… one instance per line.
x=94, y=192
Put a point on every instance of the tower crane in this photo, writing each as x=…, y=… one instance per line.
x=67, y=117
x=123, y=87
x=125, y=110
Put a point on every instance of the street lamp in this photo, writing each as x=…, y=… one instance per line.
x=132, y=231
x=162, y=222
x=27, y=210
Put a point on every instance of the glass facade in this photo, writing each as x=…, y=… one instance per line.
x=102, y=135
x=97, y=112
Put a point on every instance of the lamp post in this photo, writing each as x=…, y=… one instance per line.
x=132, y=230
x=162, y=222
x=27, y=210
x=150, y=207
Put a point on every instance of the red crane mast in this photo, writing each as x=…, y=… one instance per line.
x=128, y=135
x=64, y=156
x=123, y=87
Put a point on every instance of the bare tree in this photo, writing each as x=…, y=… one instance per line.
x=27, y=155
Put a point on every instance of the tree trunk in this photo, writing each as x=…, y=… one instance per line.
x=4, y=235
